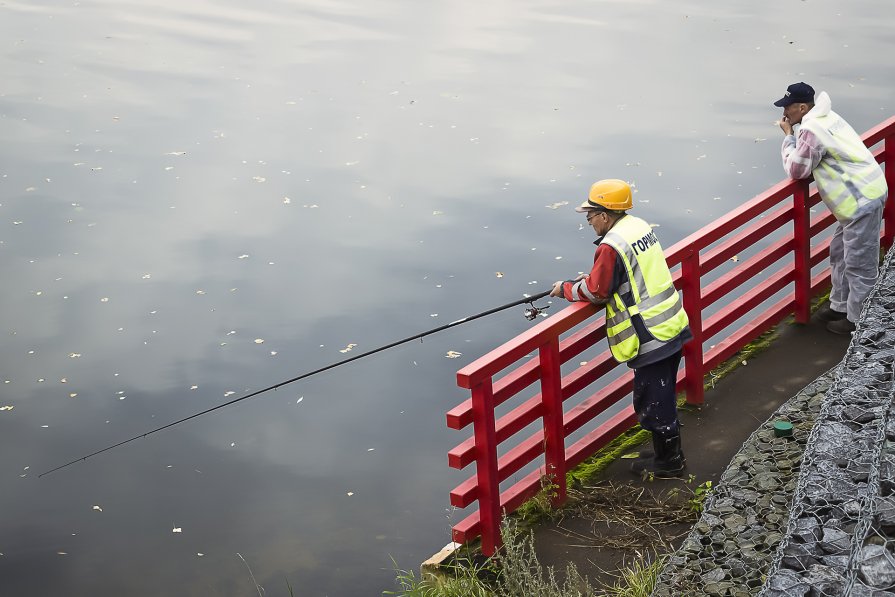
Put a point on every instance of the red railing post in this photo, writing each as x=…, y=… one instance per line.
x=554, y=434
x=693, y=357
x=486, y=465
x=889, y=208
x=802, y=252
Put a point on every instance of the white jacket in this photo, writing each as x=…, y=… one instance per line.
x=847, y=175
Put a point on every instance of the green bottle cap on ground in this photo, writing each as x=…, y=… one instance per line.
x=782, y=428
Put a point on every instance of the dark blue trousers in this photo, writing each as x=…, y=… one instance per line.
x=655, y=398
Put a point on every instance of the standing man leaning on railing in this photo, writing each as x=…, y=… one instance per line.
x=646, y=325
x=851, y=184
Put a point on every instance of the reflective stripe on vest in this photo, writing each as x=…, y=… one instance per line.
x=652, y=290
x=848, y=176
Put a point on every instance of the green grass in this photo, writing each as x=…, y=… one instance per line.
x=459, y=581
x=638, y=579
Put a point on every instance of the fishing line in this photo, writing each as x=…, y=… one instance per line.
x=531, y=313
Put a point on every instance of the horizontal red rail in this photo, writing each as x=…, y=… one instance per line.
x=785, y=236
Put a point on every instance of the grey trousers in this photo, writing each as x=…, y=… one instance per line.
x=854, y=257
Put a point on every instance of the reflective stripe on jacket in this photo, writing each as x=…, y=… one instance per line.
x=847, y=175
x=655, y=299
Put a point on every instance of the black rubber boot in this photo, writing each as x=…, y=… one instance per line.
x=646, y=453
x=669, y=460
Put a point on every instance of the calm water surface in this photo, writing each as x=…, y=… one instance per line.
x=200, y=199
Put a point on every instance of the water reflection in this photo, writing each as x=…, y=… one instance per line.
x=180, y=181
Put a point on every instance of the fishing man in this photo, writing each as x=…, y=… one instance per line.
x=646, y=324
x=851, y=184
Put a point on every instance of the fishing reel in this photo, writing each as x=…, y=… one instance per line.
x=533, y=311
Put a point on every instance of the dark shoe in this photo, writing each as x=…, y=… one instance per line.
x=830, y=314
x=841, y=326
x=668, y=462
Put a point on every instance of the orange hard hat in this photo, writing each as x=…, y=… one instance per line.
x=611, y=193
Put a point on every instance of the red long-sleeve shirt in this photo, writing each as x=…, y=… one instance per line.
x=600, y=280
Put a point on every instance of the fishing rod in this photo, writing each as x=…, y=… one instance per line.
x=530, y=314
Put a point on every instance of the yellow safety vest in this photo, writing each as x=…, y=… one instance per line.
x=848, y=176
x=656, y=299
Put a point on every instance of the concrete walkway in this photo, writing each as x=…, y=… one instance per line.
x=711, y=436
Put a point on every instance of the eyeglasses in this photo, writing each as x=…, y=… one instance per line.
x=593, y=215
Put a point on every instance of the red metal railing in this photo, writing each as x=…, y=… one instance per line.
x=691, y=259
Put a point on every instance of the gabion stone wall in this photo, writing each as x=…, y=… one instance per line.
x=841, y=531
x=732, y=546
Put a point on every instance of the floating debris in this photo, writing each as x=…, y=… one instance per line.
x=348, y=348
x=453, y=354
x=97, y=508
x=498, y=274
x=177, y=530
x=259, y=341
x=557, y=205
x=7, y=407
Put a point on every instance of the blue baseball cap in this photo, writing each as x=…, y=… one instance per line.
x=797, y=93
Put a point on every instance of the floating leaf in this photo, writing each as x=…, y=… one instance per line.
x=498, y=274
x=259, y=341
x=453, y=354
x=177, y=530
x=557, y=205
x=7, y=407
x=348, y=348
x=97, y=508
